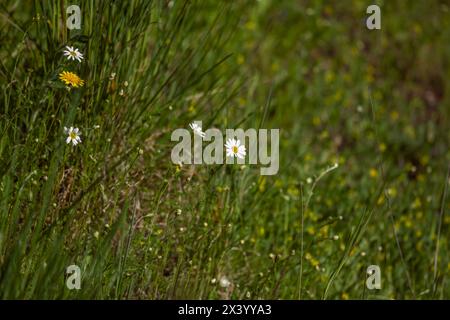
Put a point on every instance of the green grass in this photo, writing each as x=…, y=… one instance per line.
x=140, y=227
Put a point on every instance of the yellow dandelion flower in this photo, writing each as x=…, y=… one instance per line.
x=373, y=173
x=71, y=79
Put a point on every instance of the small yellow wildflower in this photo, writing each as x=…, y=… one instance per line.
x=275, y=66
x=424, y=159
x=373, y=173
x=447, y=220
x=70, y=78
x=293, y=191
x=314, y=262
x=417, y=29
x=262, y=231
x=250, y=25
x=419, y=246
x=191, y=109
x=392, y=192
x=395, y=115
x=316, y=121
x=262, y=184
x=240, y=59
x=408, y=223
x=417, y=203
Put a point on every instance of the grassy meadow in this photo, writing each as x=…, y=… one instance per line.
x=364, y=119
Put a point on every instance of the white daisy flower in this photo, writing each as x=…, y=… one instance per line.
x=197, y=129
x=235, y=149
x=73, y=135
x=73, y=53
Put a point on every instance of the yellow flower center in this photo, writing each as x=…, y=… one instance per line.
x=235, y=149
x=73, y=135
